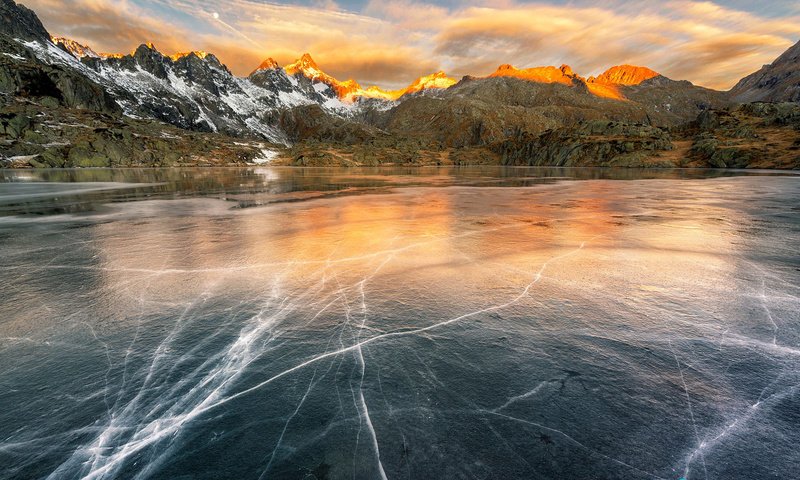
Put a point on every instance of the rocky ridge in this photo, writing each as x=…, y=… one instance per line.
x=18, y=21
x=776, y=82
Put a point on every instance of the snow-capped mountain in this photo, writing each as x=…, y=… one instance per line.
x=351, y=91
x=194, y=90
x=303, y=83
x=191, y=90
x=74, y=47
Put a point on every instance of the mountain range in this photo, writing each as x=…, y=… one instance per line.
x=293, y=109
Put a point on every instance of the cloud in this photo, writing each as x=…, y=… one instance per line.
x=242, y=33
x=117, y=27
x=391, y=43
x=700, y=41
x=407, y=14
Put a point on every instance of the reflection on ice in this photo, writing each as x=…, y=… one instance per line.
x=637, y=329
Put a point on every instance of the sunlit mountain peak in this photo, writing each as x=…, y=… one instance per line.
x=434, y=80
x=438, y=80
x=305, y=65
x=77, y=49
x=198, y=53
x=549, y=74
x=607, y=84
x=624, y=75
x=268, y=64
x=346, y=90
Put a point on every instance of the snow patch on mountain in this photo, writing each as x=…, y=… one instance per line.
x=14, y=56
x=266, y=156
x=75, y=48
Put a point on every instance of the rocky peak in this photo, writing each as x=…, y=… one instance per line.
x=438, y=80
x=346, y=90
x=76, y=49
x=305, y=65
x=789, y=56
x=563, y=75
x=567, y=70
x=307, y=60
x=435, y=80
x=150, y=59
x=18, y=21
x=624, y=75
x=195, y=53
x=197, y=61
x=268, y=64
x=147, y=50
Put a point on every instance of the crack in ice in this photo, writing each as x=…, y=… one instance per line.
x=691, y=415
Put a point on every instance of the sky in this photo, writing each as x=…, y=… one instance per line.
x=389, y=44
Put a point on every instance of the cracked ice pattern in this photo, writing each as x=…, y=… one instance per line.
x=584, y=329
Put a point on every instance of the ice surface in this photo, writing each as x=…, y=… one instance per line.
x=273, y=323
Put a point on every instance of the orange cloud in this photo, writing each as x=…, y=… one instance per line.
x=105, y=26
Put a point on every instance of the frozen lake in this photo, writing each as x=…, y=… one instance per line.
x=399, y=323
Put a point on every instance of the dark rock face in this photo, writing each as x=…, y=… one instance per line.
x=188, y=91
x=18, y=21
x=310, y=122
x=776, y=82
x=273, y=78
x=21, y=74
x=150, y=59
x=596, y=143
x=206, y=72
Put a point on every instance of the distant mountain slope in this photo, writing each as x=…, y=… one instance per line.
x=480, y=111
x=776, y=82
